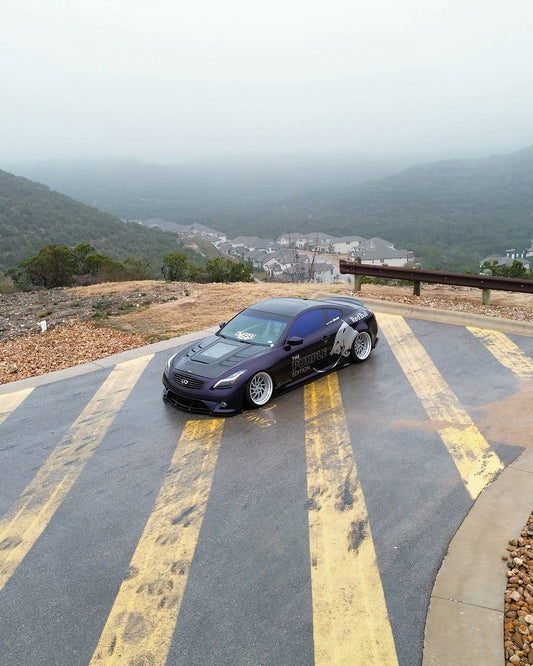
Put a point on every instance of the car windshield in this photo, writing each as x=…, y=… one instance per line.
x=257, y=328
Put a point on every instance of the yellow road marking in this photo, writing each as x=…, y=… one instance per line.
x=27, y=519
x=10, y=401
x=505, y=351
x=141, y=624
x=350, y=620
x=475, y=460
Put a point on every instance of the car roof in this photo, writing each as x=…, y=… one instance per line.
x=287, y=307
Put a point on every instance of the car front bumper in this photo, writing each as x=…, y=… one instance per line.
x=221, y=402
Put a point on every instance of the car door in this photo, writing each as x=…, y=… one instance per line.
x=317, y=330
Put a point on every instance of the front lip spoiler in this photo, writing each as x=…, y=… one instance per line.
x=194, y=405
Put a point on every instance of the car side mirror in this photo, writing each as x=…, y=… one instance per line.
x=294, y=341
x=221, y=324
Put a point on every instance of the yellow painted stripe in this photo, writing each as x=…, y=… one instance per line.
x=505, y=351
x=350, y=620
x=10, y=401
x=141, y=624
x=475, y=460
x=33, y=510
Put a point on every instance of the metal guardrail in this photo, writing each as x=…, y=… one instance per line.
x=419, y=275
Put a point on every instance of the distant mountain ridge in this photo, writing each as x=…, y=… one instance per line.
x=185, y=192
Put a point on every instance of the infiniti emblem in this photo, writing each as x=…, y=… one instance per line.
x=184, y=381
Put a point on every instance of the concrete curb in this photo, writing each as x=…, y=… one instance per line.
x=464, y=624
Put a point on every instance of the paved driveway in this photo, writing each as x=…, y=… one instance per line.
x=309, y=531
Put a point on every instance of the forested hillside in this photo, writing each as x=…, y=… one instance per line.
x=32, y=215
x=451, y=214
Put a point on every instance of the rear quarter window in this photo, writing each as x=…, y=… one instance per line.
x=308, y=323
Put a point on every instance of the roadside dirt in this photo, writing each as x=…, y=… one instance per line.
x=87, y=323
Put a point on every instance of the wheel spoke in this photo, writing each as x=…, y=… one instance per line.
x=362, y=346
x=260, y=388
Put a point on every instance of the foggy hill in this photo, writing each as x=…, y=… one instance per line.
x=32, y=215
x=450, y=213
x=195, y=191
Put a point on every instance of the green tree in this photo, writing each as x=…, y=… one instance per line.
x=85, y=256
x=222, y=269
x=240, y=272
x=176, y=267
x=53, y=266
x=110, y=270
x=60, y=266
x=136, y=269
x=515, y=270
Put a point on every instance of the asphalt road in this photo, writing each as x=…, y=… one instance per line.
x=306, y=532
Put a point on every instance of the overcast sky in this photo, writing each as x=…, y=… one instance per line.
x=171, y=80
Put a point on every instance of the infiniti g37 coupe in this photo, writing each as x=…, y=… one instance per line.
x=266, y=348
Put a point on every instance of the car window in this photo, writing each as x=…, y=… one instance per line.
x=332, y=314
x=307, y=323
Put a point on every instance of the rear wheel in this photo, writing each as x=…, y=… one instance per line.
x=361, y=347
x=259, y=389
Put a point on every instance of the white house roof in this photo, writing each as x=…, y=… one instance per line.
x=376, y=248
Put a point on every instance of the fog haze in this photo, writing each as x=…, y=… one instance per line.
x=168, y=81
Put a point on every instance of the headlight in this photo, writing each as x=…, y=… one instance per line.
x=168, y=366
x=228, y=382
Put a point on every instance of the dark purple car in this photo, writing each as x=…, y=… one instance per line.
x=268, y=347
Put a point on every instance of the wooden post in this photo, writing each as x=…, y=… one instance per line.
x=485, y=297
x=416, y=288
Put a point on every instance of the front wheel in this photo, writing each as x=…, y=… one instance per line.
x=259, y=389
x=361, y=347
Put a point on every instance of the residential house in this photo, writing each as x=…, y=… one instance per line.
x=319, y=242
x=276, y=264
x=293, y=240
x=378, y=251
x=347, y=244
x=254, y=243
x=505, y=260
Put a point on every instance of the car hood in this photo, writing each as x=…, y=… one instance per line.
x=214, y=356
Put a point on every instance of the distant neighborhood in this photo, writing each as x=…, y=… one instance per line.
x=296, y=257
x=511, y=255
x=299, y=257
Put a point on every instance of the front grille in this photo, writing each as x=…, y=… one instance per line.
x=187, y=381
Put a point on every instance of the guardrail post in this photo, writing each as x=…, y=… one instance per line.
x=357, y=282
x=485, y=297
x=416, y=288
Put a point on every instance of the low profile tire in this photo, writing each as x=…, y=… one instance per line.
x=361, y=347
x=259, y=389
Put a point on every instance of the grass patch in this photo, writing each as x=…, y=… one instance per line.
x=7, y=286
